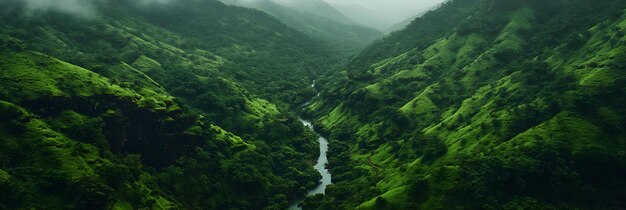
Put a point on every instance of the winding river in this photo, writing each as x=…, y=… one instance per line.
x=322, y=161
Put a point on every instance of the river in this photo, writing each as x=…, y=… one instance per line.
x=322, y=161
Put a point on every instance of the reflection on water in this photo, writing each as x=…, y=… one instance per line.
x=322, y=161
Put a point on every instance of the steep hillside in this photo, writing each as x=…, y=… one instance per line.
x=346, y=38
x=126, y=109
x=402, y=25
x=364, y=16
x=70, y=131
x=483, y=104
x=319, y=8
x=247, y=46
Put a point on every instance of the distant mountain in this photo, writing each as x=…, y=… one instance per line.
x=364, y=16
x=403, y=24
x=317, y=7
x=339, y=33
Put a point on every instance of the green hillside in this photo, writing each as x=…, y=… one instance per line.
x=340, y=36
x=318, y=7
x=194, y=104
x=126, y=109
x=483, y=104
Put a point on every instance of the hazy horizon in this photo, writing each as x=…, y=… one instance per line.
x=383, y=14
x=397, y=11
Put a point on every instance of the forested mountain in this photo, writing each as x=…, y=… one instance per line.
x=483, y=104
x=153, y=104
x=195, y=104
x=339, y=33
x=317, y=7
x=403, y=24
x=364, y=16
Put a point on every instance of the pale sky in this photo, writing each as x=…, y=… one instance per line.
x=396, y=10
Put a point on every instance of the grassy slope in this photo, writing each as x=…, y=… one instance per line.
x=55, y=145
x=31, y=76
x=119, y=104
x=468, y=91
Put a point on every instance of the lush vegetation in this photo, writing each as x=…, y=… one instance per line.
x=483, y=104
x=343, y=36
x=480, y=104
x=126, y=109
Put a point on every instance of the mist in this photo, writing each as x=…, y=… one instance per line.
x=82, y=8
x=76, y=7
x=392, y=10
x=382, y=14
x=378, y=14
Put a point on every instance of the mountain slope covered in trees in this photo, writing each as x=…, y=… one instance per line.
x=343, y=36
x=483, y=104
x=188, y=104
x=127, y=108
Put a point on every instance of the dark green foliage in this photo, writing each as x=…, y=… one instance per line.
x=433, y=148
x=487, y=25
x=483, y=104
x=111, y=135
x=541, y=172
x=81, y=128
x=341, y=36
x=287, y=62
x=380, y=203
x=91, y=193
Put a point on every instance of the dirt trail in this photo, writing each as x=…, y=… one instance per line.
x=374, y=166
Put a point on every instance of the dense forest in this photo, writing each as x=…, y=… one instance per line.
x=195, y=104
x=483, y=104
x=318, y=20
x=126, y=108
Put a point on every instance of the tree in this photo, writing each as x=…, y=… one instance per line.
x=91, y=193
x=433, y=148
x=380, y=202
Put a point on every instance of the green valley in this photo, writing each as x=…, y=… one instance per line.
x=198, y=104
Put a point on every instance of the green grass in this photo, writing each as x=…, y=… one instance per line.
x=145, y=63
x=30, y=75
x=394, y=196
x=476, y=104
x=48, y=147
x=338, y=116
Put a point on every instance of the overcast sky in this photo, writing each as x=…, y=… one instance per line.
x=392, y=10
x=397, y=10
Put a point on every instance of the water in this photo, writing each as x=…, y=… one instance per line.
x=322, y=161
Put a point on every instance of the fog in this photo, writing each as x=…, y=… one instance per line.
x=77, y=7
x=388, y=12
x=379, y=14
x=83, y=8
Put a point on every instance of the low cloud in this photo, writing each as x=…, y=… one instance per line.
x=391, y=10
x=82, y=8
x=155, y=1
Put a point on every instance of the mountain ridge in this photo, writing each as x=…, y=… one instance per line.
x=347, y=38
x=194, y=104
x=129, y=110
x=480, y=109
